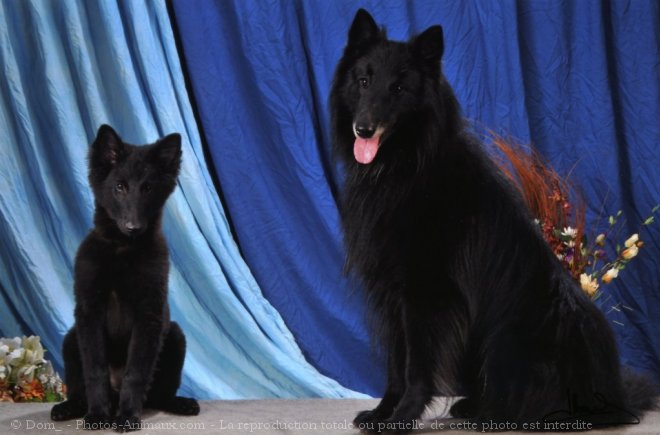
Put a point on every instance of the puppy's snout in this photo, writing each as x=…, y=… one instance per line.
x=132, y=228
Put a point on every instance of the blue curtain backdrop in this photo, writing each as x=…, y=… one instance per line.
x=580, y=79
x=68, y=67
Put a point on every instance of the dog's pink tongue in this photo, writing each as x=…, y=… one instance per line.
x=365, y=150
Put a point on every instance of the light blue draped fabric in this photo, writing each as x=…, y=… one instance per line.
x=67, y=67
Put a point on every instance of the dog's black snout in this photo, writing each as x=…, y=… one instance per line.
x=365, y=131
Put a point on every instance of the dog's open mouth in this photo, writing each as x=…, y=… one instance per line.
x=365, y=149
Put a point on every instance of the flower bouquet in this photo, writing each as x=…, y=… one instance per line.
x=562, y=221
x=25, y=376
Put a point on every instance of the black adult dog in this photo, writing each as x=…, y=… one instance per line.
x=466, y=294
x=123, y=347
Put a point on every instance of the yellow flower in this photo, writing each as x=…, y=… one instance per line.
x=600, y=240
x=588, y=285
x=631, y=252
x=610, y=275
x=632, y=240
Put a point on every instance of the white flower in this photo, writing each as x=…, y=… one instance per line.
x=5, y=370
x=10, y=343
x=34, y=351
x=15, y=357
x=26, y=372
x=569, y=235
x=20, y=358
x=588, y=284
x=610, y=275
x=632, y=240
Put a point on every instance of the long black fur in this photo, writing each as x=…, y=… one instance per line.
x=124, y=353
x=466, y=294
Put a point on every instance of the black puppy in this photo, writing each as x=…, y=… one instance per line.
x=124, y=353
x=466, y=294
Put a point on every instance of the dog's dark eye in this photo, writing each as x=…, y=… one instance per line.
x=396, y=88
x=146, y=187
x=120, y=187
x=363, y=82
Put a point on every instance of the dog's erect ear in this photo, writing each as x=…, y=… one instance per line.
x=167, y=153
x=429, y=45
x=364, y=30
x=107, y=148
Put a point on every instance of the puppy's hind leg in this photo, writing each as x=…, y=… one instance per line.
x=76, y=405
x=167, y=377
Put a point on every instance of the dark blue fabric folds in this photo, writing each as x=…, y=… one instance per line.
x=579, y=79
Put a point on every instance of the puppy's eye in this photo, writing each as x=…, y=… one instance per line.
x=396, y=88
x=120, y=187
x=363, y=82
x=146, y=187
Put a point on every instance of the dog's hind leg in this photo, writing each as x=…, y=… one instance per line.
x=167, y=377
x=470, y=383
x=76, y=405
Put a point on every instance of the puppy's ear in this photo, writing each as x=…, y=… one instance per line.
x=167, y=154
x=429, y=45
x=106, y=150
x=364, y=31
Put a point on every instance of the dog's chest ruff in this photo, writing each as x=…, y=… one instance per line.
x=118, y=317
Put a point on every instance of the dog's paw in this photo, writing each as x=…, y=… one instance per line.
x=184, y=406
x=67, y=410
x=369, y=420
x=397, y=426
x=463, y=408
x=93, y=421
x=364, y=417
x=128, y=423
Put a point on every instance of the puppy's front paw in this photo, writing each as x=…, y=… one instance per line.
x=93, y=421
x=67, y=410
x=184, y=406
x=128, y=423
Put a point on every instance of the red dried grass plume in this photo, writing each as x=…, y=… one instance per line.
x=547, y=195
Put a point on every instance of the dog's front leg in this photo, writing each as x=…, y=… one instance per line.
x=419, y=322
x=145, y=343
x=396, y=371
x=90, y=314
x=434, y=328
x=90, y=325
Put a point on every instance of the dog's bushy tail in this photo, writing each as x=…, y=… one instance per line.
x=641, y=393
